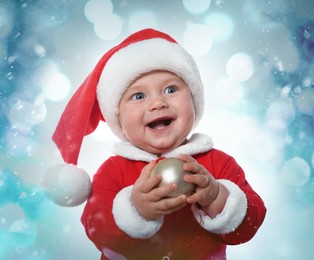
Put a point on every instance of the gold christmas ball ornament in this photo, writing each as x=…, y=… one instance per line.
x=171, y=171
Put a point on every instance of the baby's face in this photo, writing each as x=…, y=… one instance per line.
x=156, y=112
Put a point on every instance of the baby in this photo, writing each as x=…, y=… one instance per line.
x=148, y=90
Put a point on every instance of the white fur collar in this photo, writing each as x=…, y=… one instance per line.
x=198, y=143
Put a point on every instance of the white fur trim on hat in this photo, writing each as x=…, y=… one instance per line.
x=231, y=216
x=141, y=57
x=129, y=220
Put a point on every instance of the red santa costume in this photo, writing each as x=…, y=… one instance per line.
x=109, y=218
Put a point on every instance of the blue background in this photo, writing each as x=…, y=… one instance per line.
x=256, y=61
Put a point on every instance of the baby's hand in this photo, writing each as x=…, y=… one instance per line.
x=209, y=194
x=149, y=200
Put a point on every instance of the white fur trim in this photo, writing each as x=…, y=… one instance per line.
x=198, y=143
x=231, y=216
x=141, y=57
x=130, y=151
x=129, y=220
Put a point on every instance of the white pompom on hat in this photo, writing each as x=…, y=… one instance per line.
x=99, y=96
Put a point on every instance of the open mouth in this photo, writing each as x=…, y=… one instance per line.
x=160, y=123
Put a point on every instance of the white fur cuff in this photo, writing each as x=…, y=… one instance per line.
x=231, y=216
x=129, y=220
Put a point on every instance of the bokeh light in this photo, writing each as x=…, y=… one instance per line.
x=104, y=31
x=55, y=85
x=197, y=39
x=305, y=101
x=23, y=114
x=96, y=9
x=228, y=92
x=221, y=25
x=22, y=233
x=8, y=187
x=107, y=25
x=240, y=67
x=280, y=114
x=196, y=7
x=256, y=62
x=296, y=172
x=136, y=20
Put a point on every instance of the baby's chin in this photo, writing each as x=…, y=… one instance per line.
x=160, y=149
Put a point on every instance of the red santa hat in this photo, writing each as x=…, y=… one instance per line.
x=99, y=96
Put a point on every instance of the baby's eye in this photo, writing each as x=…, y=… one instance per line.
x=170, y=89
x=138, y=96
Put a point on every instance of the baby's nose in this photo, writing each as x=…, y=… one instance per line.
x=158, y=103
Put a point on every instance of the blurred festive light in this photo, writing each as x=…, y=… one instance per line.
x=9, y=186
x=196, y=7
x=107, y=25
x=254, y=143
x=308, y=82
x=136, y=21
x=5, y=246
x=94, y=10
x=264, y=148
x=17, y=116
x=280, y=114
x=285, y=91
x=40, y=50
x=34, y=202
x=19, y=144
x=22, y=233
x=221, y=25
x=55, y=85
x=197, y=39
x=295, y=172
x=240, y=67
x=228, y=92
x=305, y=101
x=23, y=115
x=24, y=55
